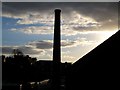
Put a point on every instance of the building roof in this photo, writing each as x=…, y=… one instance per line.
x=105, y=52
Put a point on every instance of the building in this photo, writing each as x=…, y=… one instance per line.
x=99, y=69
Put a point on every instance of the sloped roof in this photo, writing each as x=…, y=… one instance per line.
x=109, y=49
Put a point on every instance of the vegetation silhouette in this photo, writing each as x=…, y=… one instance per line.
x=23, y=70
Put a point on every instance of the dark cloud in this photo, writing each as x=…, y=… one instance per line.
x=34, y=48
x=65, y=44
x=42, y=44
x=7, y=50
x=49, y=44
x=80, y=28
x=29, y=50
x=101, y=12
x=24, y=49
x=98, y=10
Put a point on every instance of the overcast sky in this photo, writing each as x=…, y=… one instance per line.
x=29, y=27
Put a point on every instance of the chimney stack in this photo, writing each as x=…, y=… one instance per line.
x=56, y=46
x=56, y=51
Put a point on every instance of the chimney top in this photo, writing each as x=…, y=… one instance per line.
x=57, y=10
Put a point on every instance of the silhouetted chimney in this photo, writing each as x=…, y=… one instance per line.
x=56, y=51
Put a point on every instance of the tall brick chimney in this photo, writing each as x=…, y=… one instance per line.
x=56, y=51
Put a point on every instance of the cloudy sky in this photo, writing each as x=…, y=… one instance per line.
x=29, y=27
